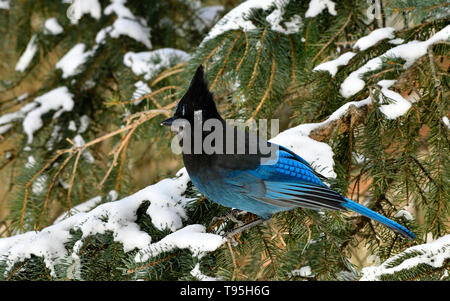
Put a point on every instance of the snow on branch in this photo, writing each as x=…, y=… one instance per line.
x=28, y=54
x=433, y=254
x=237, y=19
x=410, y=52
x=166, y=210
x=319, y=154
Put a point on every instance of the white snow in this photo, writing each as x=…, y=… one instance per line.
x=166, y=210
x=200, y=276
x=84, y=124
x=317, y=6
x=126, y=24
x=302, y=272
x=72, y=126
x=4, y=4
x=374, y=37
x=55, y=136
x=83, y=207
x=79, y=8
x=332, y=66
x=59, y=99
x=399, y=105
x=51, y=26
x=235, y=18
x=22, y=97
x=276, y=17
x=405, y=214
x=132, y=29
x=207, y=16
x=119, y=9
x=39, y=184
x=410, y=52
x=31, y=162
x=446, y=121
x=151, y=63
x=71, y=62
x=5, y=128
x=318, y=154
x=433, y=254
x=396, y=41
x=141, y=89
x=79, y=141
x=27, y=55
x=9, y=117
x=192, y=237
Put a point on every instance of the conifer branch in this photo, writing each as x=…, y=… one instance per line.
x=266, y=94
x=214, y=51
x=72, y=178
x=225, y=61
x=258, y=58
x=50, y=187
x=333, y=37
x=293, y=60
x=245, y=53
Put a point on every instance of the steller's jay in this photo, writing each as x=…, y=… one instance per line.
x=250, y=180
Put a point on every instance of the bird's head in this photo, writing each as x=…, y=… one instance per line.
x=197, y=98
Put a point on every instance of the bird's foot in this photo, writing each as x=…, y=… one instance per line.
x=231, y=215
x=242, y=228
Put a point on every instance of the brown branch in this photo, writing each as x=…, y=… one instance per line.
x=164, y=75
x=116, y=156
x=50, y=187
x=333, y=37
x=291, y=42
x=214, y=51
x=30, y=182
x=255, y=68
x=74, y=170
x=245, y=53
x=146, y=95
x=225, y=60
x=16, y=269
x=133, y=122
x=266, y=94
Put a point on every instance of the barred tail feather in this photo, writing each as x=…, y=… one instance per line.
x=396, y=227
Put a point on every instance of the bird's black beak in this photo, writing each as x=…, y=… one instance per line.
x=168, y=122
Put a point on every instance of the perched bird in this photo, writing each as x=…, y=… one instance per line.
x=241, y=180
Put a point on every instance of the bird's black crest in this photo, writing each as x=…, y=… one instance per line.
x=198, y=97
x=198, y=91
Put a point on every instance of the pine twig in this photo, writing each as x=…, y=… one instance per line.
x=74, y=170
x=225, y=61
x=333, y=37
x=266, y=94
x=147, y=95
x=258, y=58
x=245, y=53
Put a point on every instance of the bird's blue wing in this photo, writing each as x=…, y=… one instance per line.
x=288, y=183
x=286, y=153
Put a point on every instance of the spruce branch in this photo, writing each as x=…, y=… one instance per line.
x=245, y=53
x=333, y=37
x=266, y=93
x=258, y=58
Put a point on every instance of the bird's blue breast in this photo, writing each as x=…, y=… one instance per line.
x=218, y=190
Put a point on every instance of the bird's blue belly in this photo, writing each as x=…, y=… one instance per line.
x=219, y=192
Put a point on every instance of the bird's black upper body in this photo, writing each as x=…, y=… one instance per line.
x=250, y=173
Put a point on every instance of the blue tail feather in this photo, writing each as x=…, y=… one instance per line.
x=379, y=218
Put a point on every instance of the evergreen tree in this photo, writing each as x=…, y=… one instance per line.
x=360, y=88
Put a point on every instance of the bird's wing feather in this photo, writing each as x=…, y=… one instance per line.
x=286, y=153
x=288, y=183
